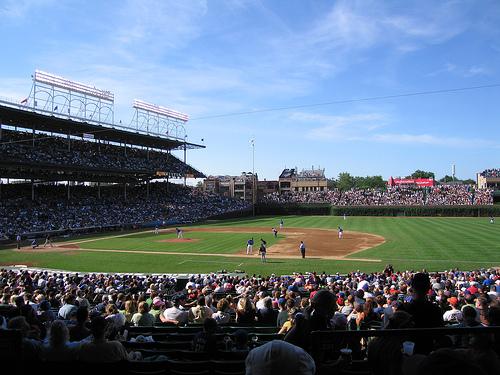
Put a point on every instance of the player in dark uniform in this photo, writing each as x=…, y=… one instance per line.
x=48, y=240
x=263, y=250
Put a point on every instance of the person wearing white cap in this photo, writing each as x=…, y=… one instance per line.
x=279, y=356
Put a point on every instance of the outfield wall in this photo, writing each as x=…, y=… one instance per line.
x=327, y=209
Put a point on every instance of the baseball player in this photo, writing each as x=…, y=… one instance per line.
x=341, y=232
x=262, y=251
x=48, y=241
x=250, y=246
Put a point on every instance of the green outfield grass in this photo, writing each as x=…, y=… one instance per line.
x=411, y=243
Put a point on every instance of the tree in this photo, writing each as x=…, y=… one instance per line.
x=375, y=182
x=345, y=181
x=421, y=174
x=469, y=181
x=331, y=183
x=446, y=179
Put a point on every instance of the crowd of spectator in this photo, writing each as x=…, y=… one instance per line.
x=34, y=149
x=493, y=172
x=51, y=210
x=53, y=310
x=392, y=196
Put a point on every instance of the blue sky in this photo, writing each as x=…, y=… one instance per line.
x=210, y=58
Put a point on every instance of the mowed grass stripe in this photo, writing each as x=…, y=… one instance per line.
x=411, y=243
x=202, y=242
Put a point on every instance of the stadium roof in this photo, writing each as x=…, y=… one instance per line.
x=288, y=173
x=30, y=119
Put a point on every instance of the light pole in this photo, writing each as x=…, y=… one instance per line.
x=252, y=141
x=185, y=165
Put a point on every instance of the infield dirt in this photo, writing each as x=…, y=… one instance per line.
x=320, y=243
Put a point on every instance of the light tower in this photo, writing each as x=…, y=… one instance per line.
x=254, y=198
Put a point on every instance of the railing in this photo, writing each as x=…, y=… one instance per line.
x=326, y=345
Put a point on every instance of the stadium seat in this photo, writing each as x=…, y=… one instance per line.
x=228, y=367
x=189, y=367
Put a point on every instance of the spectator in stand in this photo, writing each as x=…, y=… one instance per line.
x=30, y=347
x=68, y=309
x=279, y=357
x=282, y=313
x=384, y=353
x=240, y=341
x=100, y=350
x=198, y=314
x=287, y=326
x=130, y=310
x=175, y=314
x=454, y=314
x=58, y=348
x=222, y=316
x=317, y=317
x=156, y=308
x=206, y=340
x=267, y=315
x=245, y=311
x=80, y=331
x=143, y=317
x=44, y=313
x=116, y=318
x=425, y=314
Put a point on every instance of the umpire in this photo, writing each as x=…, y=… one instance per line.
x=302, y=248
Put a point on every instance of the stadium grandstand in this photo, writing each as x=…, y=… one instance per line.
x=490, y=179
x=398, y=195
x=307, y=180
x=65, y=165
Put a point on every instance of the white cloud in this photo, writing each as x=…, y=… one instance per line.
x=158, y=24
x=366, y=127
x=356, y=25
x=341, y=38
x=15, y=89
x=18, y=9
x=340, y=127
x=433, y=140
x=466, y=72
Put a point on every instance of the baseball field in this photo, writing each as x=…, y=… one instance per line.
x=369, y=244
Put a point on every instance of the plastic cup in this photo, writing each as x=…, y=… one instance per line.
x=408, y=347
x=346, y=354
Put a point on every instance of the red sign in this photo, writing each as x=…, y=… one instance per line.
x=411, y=181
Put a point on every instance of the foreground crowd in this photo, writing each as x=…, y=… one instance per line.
x=167, y=203
x=53, y=310
x=392, y=196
